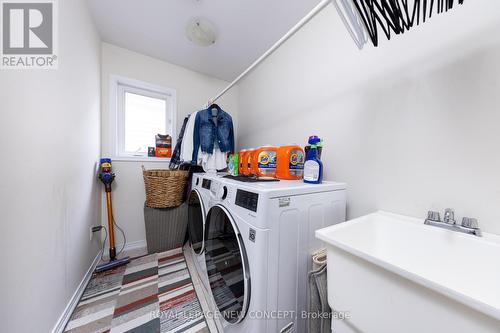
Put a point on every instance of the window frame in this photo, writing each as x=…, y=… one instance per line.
x=119, y=87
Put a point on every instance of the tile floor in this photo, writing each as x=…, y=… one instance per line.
x=153, y=293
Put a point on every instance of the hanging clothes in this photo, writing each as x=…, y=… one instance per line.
x=176, y=161
x=214, y=162
x=211, y=128
x=187, y=142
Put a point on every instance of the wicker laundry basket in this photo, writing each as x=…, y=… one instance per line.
x=164, y=188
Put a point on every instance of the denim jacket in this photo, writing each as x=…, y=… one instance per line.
x=206, y=131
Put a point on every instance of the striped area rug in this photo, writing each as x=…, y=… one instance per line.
x=153, y=293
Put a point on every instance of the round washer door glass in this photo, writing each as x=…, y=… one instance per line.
x=196, y=221
x=227, y=265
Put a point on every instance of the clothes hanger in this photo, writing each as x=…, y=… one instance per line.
x=367, y=18
x=392, y=16
x=215, y=109
x=212, y=106
x=352, y=21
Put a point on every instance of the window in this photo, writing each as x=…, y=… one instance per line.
x=142, y=111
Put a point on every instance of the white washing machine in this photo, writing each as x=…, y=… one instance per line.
x=257, y=246
x=201, y=198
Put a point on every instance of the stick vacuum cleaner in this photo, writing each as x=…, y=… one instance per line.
x=107, y=177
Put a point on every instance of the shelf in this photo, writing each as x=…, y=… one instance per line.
x=140, y=159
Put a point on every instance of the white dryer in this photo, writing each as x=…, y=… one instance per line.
x=257, y=247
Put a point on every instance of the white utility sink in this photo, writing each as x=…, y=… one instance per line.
x=394, y=274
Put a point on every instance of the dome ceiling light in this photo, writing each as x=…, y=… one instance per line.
x=201, y=31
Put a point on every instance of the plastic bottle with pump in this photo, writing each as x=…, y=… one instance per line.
x=313, y=167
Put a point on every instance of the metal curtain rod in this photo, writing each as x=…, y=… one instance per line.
x=273, y=48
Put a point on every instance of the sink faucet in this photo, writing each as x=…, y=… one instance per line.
x=449, y=216
x=469, y=225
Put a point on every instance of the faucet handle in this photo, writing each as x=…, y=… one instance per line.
x=433, y=216
x=449, y=216
x=469, y=222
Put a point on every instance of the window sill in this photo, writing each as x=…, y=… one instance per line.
x=139, y=159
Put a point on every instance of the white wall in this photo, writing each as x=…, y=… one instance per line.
x=410, y=126
x=50, y=142
x=193, y=91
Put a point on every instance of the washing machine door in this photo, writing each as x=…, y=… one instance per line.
x=196, y=221
x=227, y=265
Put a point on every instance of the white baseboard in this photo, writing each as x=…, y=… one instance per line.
x=133, y=245
x=73, y=302
x=130, y=246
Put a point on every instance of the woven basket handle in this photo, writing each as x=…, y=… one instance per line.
x=143, y=168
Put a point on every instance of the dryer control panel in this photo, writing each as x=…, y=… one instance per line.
x=206, y=184
x=247, y=200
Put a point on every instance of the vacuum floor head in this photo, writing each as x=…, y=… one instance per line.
x=112, y=264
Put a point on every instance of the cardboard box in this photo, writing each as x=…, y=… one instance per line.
x=163, y=145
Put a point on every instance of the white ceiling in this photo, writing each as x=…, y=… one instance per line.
x=246, y=29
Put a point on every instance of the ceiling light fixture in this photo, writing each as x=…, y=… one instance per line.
x=201, y=31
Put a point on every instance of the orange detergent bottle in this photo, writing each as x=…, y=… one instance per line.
x=240, y=161
x=264, y=161
x=244, y=162
x=290, y=162
x=247, y=167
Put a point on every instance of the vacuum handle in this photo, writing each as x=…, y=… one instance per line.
x=112, y=249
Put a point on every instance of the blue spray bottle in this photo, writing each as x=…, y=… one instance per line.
x=313, y=167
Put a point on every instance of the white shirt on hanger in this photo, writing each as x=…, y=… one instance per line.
x=187, y=140
x=211, y=163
